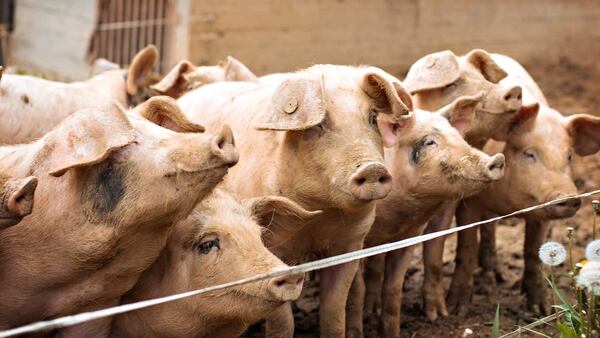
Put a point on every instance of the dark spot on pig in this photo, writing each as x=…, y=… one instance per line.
x=417, y=150
x=104, y=190
x=449, y=171
x=25, y=99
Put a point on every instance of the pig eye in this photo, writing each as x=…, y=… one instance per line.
x=313, y=131
x=530, y=154
x=450, y=86
x=373, y=118
x=205, y=247
x=430, y=142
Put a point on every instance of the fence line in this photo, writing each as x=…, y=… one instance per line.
x=302, y=268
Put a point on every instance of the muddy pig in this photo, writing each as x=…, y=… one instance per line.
x=16, y=199
x=317, y=138
x=430, y=164
x=218, y=243
x=539, y=144
x=111, y=185
x=436, y=80
x=30, y=106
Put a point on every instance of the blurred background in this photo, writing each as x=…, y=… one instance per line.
x=60, y=38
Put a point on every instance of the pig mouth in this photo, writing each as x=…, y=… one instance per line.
x=9, y=221
x=186, y=172
x=268, y=300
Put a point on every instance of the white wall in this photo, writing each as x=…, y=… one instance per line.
x=52, y=37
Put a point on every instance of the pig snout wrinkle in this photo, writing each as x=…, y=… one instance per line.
x=223, y=146
x=495, y=167
x=286, y=288
x=370, y=182
x=566, y=208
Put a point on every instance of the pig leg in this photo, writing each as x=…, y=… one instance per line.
x=396, y=264
x=335, y=285
x=488, y=260
x=461, y=288
x=533, y=284
x=355, y=305
x=373, y=276
x=433, y=260
x=281, y=323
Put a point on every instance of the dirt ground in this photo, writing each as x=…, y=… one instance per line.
x=571, y=88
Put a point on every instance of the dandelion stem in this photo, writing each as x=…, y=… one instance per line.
x=590, y=315
x=554, y=294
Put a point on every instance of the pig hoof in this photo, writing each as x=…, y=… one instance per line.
x=457, y=300
x=354, y=333
x=372, y=304
x=435, y=308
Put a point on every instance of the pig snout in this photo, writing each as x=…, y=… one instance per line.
x=564, y=209
x=223, y=146
x=512, y=98
x=495, y=167
x=286, y=288
x=371, y=181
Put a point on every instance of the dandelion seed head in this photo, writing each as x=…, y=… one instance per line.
x=552, y=253
x=592, y=251
x=589, y=278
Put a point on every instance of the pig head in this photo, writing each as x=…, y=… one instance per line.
x=439, y=78
x=218, y=243
x=110, y=186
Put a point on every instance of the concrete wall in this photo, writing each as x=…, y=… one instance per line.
x=52, y=36
x=282, y=35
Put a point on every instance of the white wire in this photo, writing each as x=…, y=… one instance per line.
x=302, y=268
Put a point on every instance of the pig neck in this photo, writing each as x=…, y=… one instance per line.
x=160, y=321
x=405, y=210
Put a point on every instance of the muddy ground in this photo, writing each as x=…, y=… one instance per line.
x=571, y=88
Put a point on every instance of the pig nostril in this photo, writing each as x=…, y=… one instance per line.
x=520, y=97
x=383, y=179
x=221, y=143
x=280, y=283
x=507, y=97
x=361, y=181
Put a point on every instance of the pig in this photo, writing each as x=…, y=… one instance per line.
x=30, y=107
x=185, y=76
x=539, y=144
x=317, y=138
x=434, y=81
x=430, y=164
x=111, y=185
x=218, y=243
x=16, y=199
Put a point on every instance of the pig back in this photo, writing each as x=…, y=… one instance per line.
x=238, y=104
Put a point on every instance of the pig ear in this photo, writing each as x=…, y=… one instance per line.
x=140, y=69
x=88, y=137
x=433, y=71
x=164, y=111
x=393, y=104
x=461, y=112
x=585, y=132
x=483, y=61
x=521, y=121
x=20, y=200
x=281, y=217
x=237, y=71
x=175, y=83
x=297, y=104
